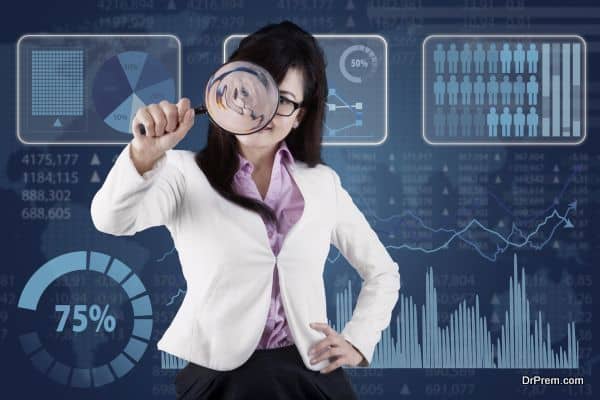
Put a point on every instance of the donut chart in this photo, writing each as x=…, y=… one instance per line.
x=122, y=361
x=126, y=82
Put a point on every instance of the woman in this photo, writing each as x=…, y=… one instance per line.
x=252, y=218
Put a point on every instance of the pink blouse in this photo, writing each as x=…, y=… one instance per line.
x=284, y=197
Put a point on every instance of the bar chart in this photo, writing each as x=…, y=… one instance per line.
x=504, y=90
x=466, y=341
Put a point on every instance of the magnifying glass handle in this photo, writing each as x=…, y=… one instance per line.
x=197, y=111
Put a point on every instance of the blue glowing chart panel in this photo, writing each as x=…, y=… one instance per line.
x=86, y=89
x=119, y=313
x=357, y=100
x=504, y=89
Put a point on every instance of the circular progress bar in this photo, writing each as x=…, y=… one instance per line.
x=142, y=325
x=360, y=48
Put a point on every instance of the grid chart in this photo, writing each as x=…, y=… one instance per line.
x=57, y=82
x=504, y=90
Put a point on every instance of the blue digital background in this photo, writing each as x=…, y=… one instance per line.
x=417, y=196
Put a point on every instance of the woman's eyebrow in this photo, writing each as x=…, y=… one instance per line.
x=290, y=93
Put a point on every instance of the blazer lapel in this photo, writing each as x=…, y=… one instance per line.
x=297, y=173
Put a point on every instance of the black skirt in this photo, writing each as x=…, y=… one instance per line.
x=277, y=374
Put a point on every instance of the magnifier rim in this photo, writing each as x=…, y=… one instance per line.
x=269, y=76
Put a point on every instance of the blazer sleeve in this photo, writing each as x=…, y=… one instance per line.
x=129, y=202
x=357, y=241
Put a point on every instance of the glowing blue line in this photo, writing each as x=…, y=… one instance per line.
x=168, y=253
x=179, y=292
x=508, y=241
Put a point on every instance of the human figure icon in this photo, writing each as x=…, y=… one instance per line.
x=492, y=89
x=452, y=122
x=492, y=59
x=452, y=89
x=452, y=57
x=478, y=121
x=519, y=58
x=532, y=122
x=505, y=121
x=466, y=122
x=466, y=89
x=505, y=58
x=466, y=57
x=519, y=90
x=479, y=90
x=519, y=122
x=532, y=58
x=439, y=121
x=439, y=90
x=505, y=90
x=478, y=58
x=532, y=90
x=492, y=122
x=439, y=58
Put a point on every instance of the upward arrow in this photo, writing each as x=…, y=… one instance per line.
x=95, y=177
x=95, y=160
x=350, y=22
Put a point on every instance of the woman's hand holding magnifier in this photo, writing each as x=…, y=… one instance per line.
x=166, y=124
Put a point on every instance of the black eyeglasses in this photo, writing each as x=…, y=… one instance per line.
x=286, y=107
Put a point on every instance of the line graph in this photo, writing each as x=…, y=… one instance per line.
x=515, y=239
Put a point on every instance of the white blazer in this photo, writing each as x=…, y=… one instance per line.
x=228, y=263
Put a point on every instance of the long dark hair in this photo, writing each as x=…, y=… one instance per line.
x=275, y=47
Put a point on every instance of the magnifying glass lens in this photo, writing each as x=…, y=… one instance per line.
x=241, y=97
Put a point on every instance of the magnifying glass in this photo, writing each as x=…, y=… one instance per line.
x=240, y=97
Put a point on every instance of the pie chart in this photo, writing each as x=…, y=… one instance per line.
x=126, y=82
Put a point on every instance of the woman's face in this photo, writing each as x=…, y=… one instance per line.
x=292, y=88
